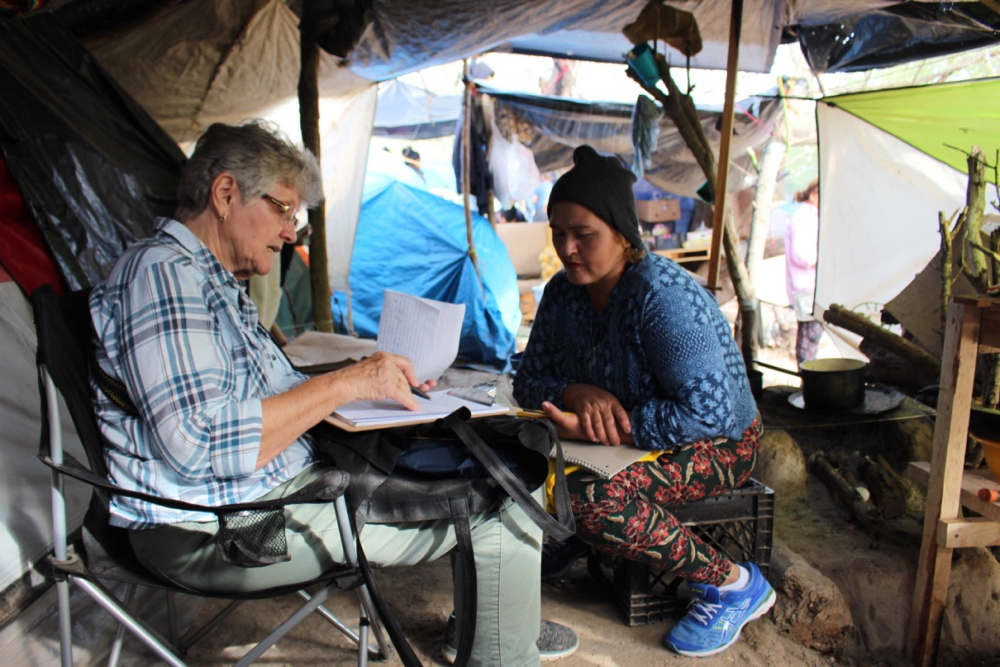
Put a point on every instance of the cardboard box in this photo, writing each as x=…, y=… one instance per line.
x=658, y=210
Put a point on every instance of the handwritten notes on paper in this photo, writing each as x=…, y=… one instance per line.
x=424, y=330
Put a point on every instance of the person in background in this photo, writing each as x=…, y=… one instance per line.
x=627, y=348
x=412, y=159
x=512, y=214
x=540, y=199
x=801, y=239
x=219, y=416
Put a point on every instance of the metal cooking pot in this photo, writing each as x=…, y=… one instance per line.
x=830, y=384
x=833, y=384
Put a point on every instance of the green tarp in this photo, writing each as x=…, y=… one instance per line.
x=943, y=120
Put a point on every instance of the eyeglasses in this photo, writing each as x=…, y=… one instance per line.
x=284, y=209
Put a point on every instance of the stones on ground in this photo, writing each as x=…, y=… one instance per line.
x=810, y=607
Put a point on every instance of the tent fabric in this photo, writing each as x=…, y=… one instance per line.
x=405, y=37
x=899, y=32
x=406, y=111
x=877, y=192
x=24, y=255
x=560, y=125
x=191, y=64
x=415, y=242
x=26, y=511
x=92, y=166
x=343, y=159
x=942, y=120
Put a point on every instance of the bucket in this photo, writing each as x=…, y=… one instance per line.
x=642, y=62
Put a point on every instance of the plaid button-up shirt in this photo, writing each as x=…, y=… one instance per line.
x=176, y=328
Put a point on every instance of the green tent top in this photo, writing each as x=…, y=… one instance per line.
x=944, y=120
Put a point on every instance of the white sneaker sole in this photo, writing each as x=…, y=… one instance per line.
x=450, y=654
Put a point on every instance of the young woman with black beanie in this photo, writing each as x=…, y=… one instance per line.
x=627, y=348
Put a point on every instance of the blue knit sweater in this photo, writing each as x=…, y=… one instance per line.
x=662, y=347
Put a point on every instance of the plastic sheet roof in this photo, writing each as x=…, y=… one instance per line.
x=193, y=63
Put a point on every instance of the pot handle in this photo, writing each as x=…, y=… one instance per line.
x=777, y=368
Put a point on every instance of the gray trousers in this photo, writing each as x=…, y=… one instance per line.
x=506, y=545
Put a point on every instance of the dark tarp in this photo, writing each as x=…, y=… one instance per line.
x=92, y=166
x=896, y=34
x=412, y=241
x=382, y=38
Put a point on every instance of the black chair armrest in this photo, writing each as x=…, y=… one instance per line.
x=330, y=486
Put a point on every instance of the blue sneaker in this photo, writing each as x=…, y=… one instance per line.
x=715, y=618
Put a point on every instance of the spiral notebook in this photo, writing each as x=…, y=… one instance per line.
x=602, y=460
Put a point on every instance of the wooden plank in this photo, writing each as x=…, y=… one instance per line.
x=945, y=483
x=725, y=141
x=974, y=532
x=972, y=481
x=989, y=331
x=682, y=255
x=978, y=300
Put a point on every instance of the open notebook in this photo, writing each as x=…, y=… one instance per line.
x=367, y=415
x=599, y=459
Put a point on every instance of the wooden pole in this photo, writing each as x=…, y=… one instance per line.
x=319, y=276
x=722, y=169
x=466, y=169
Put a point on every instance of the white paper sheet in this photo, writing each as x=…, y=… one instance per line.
x=424, y=330
x=369, y=414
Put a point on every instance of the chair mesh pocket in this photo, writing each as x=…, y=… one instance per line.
x=253, y=538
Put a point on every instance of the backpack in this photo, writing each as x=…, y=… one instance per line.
x=449, y=469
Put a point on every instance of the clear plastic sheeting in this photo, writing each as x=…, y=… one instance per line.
x=407, y=36
x=93, y=168
x=560, y=125
x=405, y=111
x=897, y=34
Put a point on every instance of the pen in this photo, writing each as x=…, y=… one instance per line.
x=417, y=391
x=534, y=414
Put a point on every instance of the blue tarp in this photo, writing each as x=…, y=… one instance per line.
x=412, y=241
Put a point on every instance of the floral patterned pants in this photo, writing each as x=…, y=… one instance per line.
x=629, y=514
x=807, y=340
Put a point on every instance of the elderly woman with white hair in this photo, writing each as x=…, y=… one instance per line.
x=219, y=416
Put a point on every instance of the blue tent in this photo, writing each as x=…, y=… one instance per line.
x=412, y=241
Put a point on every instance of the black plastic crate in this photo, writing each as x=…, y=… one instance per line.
x=739, y=524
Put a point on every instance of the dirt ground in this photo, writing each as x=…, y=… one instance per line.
x=872, y=573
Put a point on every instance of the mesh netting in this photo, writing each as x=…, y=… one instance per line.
x=253, y=538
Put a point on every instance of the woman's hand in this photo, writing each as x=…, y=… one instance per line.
x=382, y=376
x=600, y=417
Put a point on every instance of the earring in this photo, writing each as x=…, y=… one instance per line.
x=222, y=218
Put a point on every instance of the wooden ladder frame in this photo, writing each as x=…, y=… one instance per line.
x=973, y=328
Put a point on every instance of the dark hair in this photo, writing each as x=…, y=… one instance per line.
x=257, y=155
x=807, y=192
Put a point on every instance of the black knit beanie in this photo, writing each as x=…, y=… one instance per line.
x=604, y=186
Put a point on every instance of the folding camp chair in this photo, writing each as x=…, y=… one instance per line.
x=64, y=327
